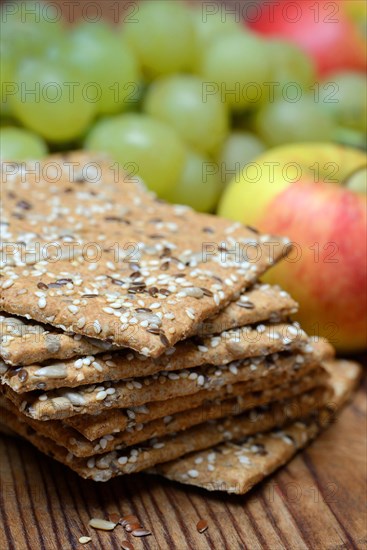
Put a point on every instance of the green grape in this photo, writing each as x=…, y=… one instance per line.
x=99, y=54
x=29, y=26
x=286, y=122
x=163, y=37
x=51, y=100
x=143, y=146
x=237, y=67
x=239, y=149
x=344, y=95
x=18, y=144
x=289, y=64
x=198, y=185
x=208, y=26
x=182, y=101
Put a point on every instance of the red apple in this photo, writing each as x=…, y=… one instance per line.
x=323, y=29
x=327, y=221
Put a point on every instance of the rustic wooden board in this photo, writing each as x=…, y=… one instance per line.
x=316, y=502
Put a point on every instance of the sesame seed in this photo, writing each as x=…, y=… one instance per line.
x=7, y=283
x=101, y=395
x=233, y=369
x=102, y=524
x=190, y=313
x=42, y=302
x=193, y=473
x=81, y=322
x=97, y=327
x=140, y=533
x=244, y=460
x=201, y=380
x=169, y=316
x=84, y=540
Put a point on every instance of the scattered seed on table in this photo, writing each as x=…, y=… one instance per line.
x=129, y=527
x=114, y=517
x=141, y=533
x=202, y=525
x=98, y=523
x=129, y=519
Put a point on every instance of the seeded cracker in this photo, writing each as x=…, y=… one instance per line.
x=220, y=349
x=25, y=342
x=63, y=403
x=237, y=467
x=219, y=408
x=156, y=451
x=114, y=421
x=173, y=267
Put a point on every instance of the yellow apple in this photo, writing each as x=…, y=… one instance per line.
x=298, y=191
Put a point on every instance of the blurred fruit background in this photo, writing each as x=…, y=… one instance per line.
x=199, y=99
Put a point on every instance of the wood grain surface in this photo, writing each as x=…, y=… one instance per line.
x=316, y=502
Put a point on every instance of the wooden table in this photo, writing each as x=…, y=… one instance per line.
x=316, y=502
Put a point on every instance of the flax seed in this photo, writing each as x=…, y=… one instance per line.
x=202, y=526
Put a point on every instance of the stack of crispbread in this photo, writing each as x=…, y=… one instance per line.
x=135, y=332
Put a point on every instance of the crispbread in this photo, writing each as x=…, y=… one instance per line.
x=234, y=344
x=210, y=410
x=116, y=420
x=156, y=451
x=130, y=252
x=25, y=342
x=256, y=372
x=237, y=467
x=113, y=421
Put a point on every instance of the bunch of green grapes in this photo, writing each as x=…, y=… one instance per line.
x=183, y=96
